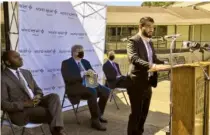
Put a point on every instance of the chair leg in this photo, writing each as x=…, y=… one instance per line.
x=23, y=131
x=77, y=107
x=63, y=100
x=75, y=113
x=10, y=123
x=42, y=130
x=125, y=98
x=13, y=130
x=111, y=95
x=2, y=119
x=115, y=102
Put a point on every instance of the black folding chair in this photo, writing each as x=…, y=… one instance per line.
x=72, y=104
x=7, y=121
x=112, y=95
x=74, y=101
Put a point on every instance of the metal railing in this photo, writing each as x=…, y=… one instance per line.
x=161, y=46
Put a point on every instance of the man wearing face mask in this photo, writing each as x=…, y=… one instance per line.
x=112, y=72
x=142, y=57
x=73, y=71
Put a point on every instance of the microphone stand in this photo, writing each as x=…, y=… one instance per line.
x=171, y=87
x=206, y=93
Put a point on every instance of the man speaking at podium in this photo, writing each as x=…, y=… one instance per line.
x=142, y=57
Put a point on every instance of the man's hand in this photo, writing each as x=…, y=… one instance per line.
x=160, y=67
x=37, y=99
x=28, y=104
x=38, y=96
x=118, y=76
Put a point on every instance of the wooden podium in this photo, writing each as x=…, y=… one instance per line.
x=188, y=99
x=188, y=83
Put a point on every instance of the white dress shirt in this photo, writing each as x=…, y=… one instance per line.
x=82, y=73
x=31, y=94
x=146, y=41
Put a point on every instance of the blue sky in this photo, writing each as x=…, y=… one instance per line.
x=123, y=3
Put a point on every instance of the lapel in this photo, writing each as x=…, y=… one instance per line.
x=15, y=79
x=111, y=66
x=74, y=64
x=26, y=78
x=83, y=64
x=142, y=48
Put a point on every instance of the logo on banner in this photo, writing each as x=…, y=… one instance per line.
x=69, y=15
x=54, y=72
x=49, y=12
x=34, y=32
x=24, y=52
x=79, y=35
x=97, y=65
x=36, y=72
x=89, y=50
x=65, y=51
x=58, y=33
x=61, y=87
x=47, y=52
x=49, y=88
x=24, y=7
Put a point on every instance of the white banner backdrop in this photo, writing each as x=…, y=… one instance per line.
x=93, y=18
x=47, y=31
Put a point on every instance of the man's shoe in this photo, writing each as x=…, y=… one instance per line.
x=97, y=125
x=62, y=132
x=102, y=120
x=59, y=131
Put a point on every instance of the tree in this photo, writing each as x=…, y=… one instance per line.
x=157, y=4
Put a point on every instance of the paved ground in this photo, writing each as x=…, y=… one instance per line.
x=158, y=117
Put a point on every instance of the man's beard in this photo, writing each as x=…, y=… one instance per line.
x=144, y=33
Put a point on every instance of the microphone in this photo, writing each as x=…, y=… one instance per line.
x=191, y=45
x=172, y=36
x=206, y=47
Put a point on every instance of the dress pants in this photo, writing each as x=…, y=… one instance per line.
x=140, y=97
x=48, y=111
x=91, y=95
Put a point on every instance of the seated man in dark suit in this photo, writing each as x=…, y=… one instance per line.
x=112, y=72
x=73, y=71
x=23, y=100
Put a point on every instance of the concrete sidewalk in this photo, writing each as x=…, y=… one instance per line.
x=157, y=119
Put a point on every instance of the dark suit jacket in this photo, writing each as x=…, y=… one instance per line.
x=13, y=94
x=138, y=59
x=111, y=73
x=71, y=74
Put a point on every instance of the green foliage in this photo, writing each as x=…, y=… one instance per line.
x=157, y=4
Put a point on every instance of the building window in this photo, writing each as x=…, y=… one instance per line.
x=113, y=31
x=160, y=30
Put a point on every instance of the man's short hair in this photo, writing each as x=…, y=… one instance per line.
x=5, y=56
x=74, y=48
x=108, y=52
x=143, y=20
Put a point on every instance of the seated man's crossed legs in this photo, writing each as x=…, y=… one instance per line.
x=47, y=111
x=96, y=108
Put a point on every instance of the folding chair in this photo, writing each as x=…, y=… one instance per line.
x=7, y=121
x=114, y=97
x=72, y=104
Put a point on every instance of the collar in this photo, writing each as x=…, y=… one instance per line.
x=147, y=40
x=77, y=60
x=14, y=71
x=111, y=61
